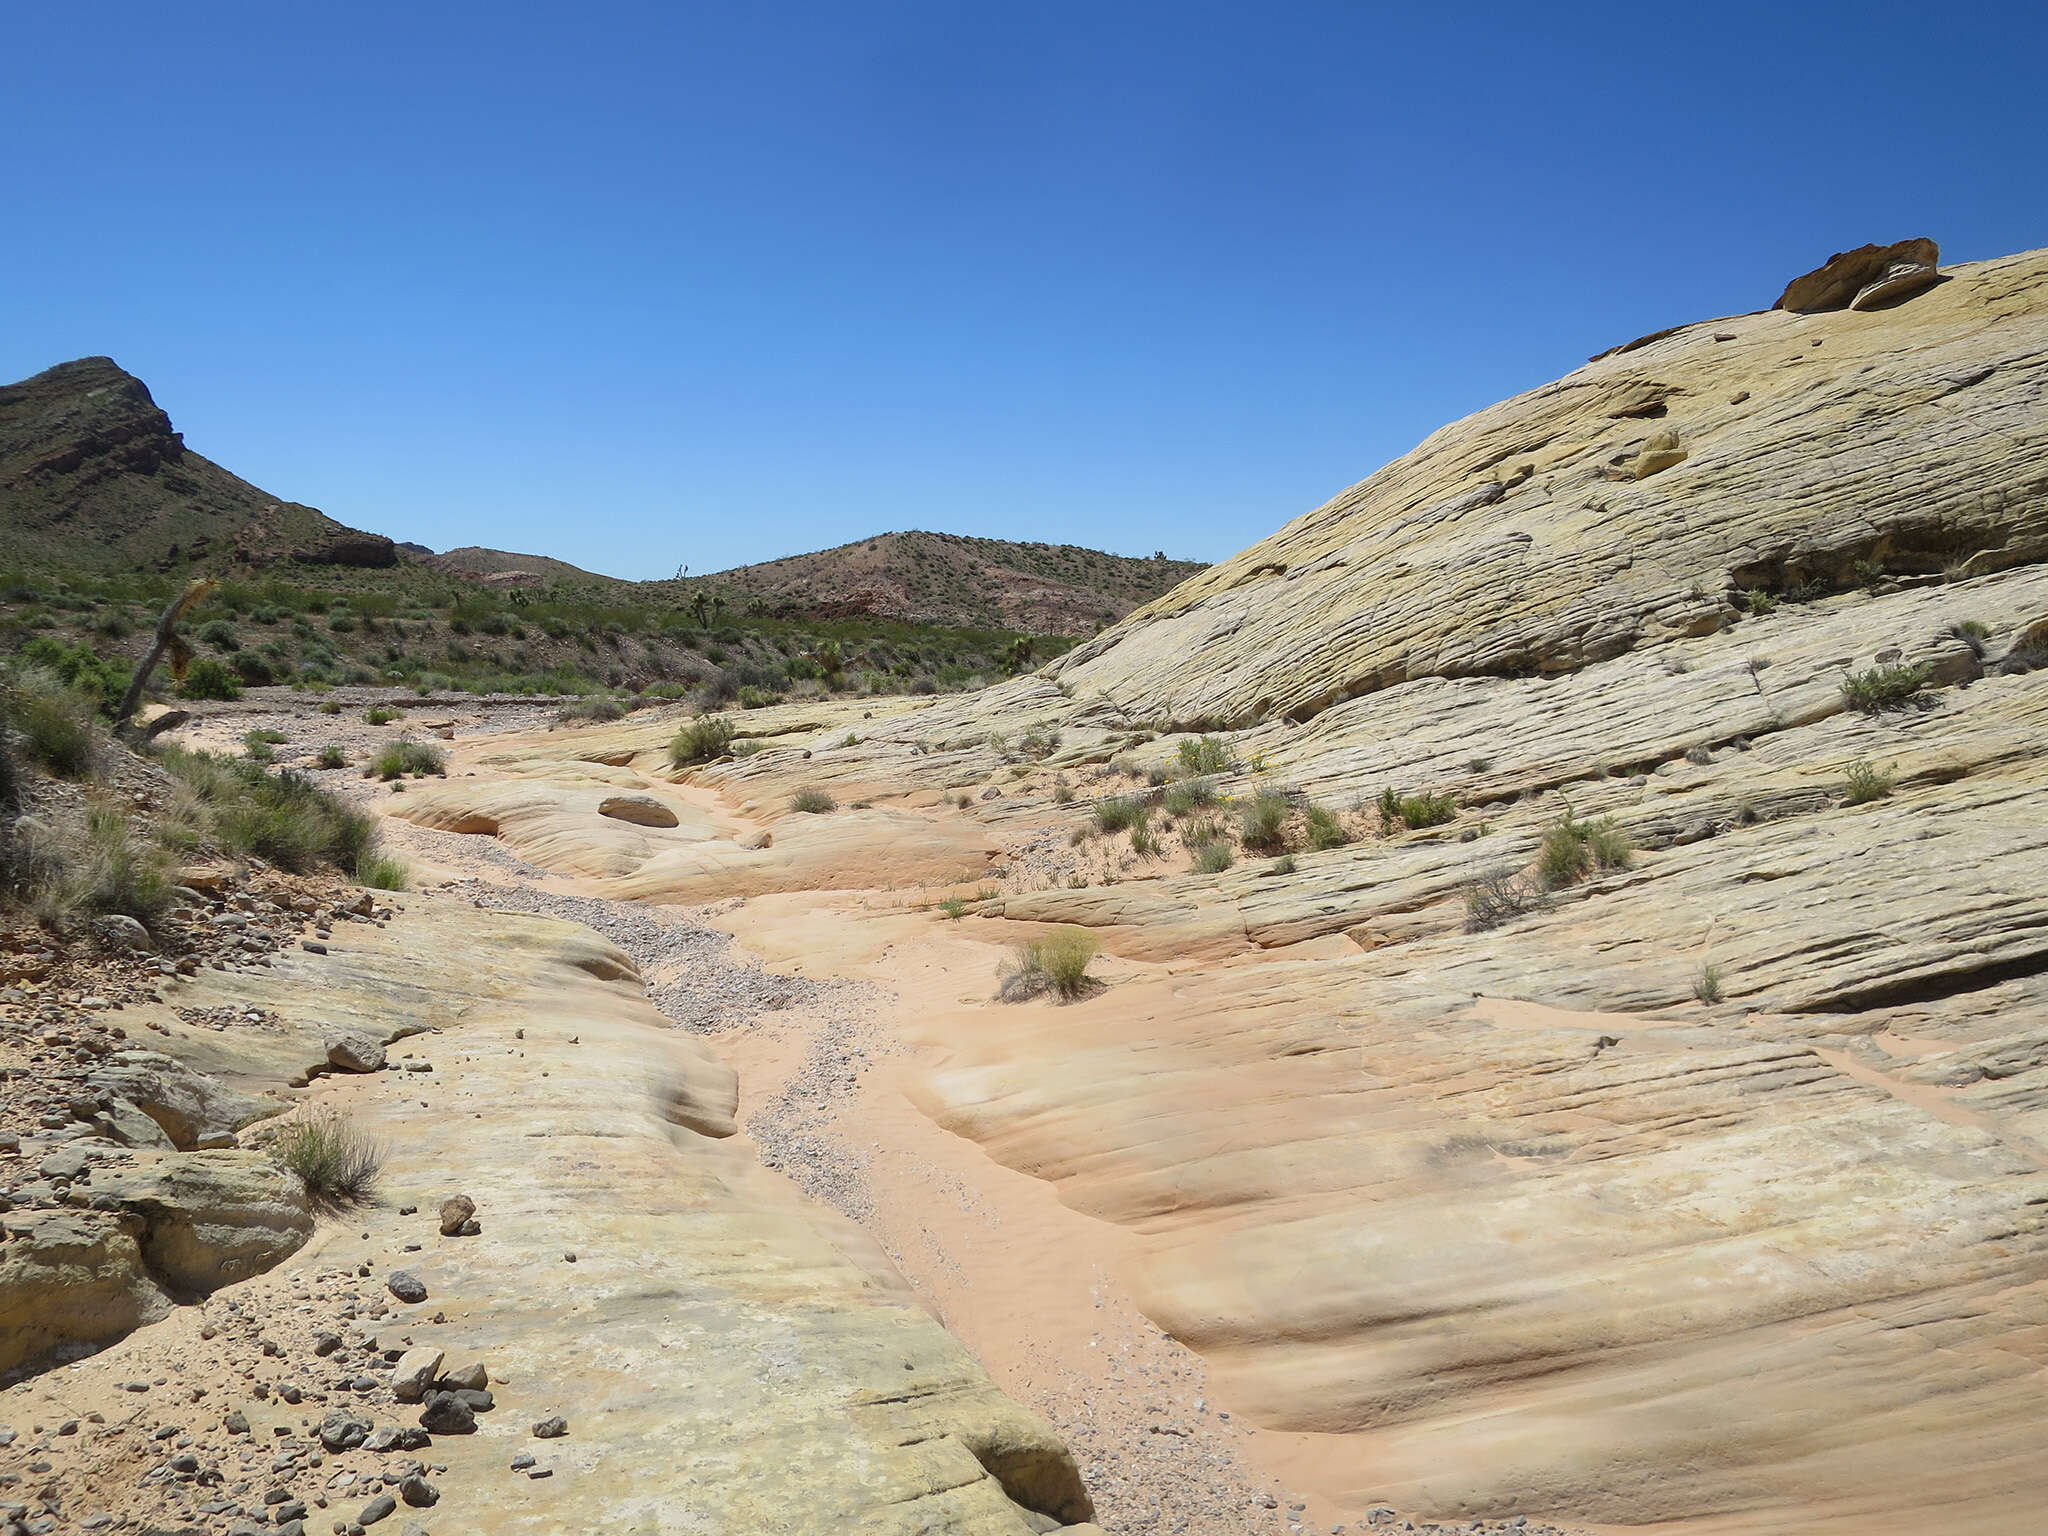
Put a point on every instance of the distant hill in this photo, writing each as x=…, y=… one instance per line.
x=502, y=568
x=952, y=579
x=92, y=476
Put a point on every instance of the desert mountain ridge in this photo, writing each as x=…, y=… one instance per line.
x=94, y=477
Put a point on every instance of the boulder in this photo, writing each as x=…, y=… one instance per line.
x=353, y=1051
x=456, y=1211
x=122, y=932
x=447, y=1414
x=118, y=1120
x=70, y=1276
x=193, y=1109
x=210, y=1218
x=1864, y=277
x=415, y=1373
x=641, y=810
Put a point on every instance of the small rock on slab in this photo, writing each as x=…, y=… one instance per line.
x=550, y=1428
x=414, y=1373
x=406, y=1286
x=455, y=1212
x=447, y=1414
x=377, y=1509
x=353, y=1052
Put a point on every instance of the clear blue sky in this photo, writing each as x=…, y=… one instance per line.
x=645, y=284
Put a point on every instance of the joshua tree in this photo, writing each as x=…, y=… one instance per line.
x=166, y=640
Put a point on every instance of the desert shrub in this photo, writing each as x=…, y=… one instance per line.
x=598, y=711
x=701, y=741
x=1262, y=825
x=1877, y=689
x=1866, y=782
x=332, y=756
x=336, y=1161
x=1324, y=830
x=753, y=697
x=1189, y=795
x=1284, y=865
x=381, y=872
x=1760, y=602
x=1499, y=896
x=254, y=670
x=1063, y=793
x=51, y=724
x=1573, y=849
x=220, y=634
x=1413, y=812
x=748, y=748
x=1213, y=857
x=1205, y=754
x=1039, y=744
x=812, y=802
x=101, y=679
x=239, y=808
x=1118, y=813
x=402, y=757
x=1706, y=986
x=258, y=744
x=210, y=679
x=1057, y=964
x=381, y=716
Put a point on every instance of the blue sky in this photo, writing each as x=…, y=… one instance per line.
x=640, y=285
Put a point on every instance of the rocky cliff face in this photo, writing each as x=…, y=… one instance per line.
x=93, y=476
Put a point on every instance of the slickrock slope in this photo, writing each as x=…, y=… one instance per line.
x=1707, y=1189
x=727, y=1357
x=1520, y=540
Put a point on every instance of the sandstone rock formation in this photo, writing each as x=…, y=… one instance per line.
x=1707, y=1187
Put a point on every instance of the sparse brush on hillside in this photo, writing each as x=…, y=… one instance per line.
x=1189, y=795
x=1057, y=964
x=238, y=808
x=1323, y=830
x=702, y=740
x=51, y=723
x=1213, y=857
x=1399, y=812
x=107, y=869
x=1119, y=813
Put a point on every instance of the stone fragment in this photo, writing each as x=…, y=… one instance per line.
x=353, y=1051
x=641, y=810
x=552, y=1427
x=447, y=1414
x=342, y=1430
x=472, y=1377
x=406, y=1286
x=455, y=1211
x=414, y=1372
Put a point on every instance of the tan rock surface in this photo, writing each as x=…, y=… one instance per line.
x=729, y=1357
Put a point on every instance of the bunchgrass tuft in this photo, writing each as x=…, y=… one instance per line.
x=1877, y=689
x=399, y=758
x=812, y=802
x=1119, y=813
x=1262, y=824
x=1056, y=964
x=381, y=872
x=1866, y=782
x=1214, y=857
x=337, y=1162
x=1706, y=986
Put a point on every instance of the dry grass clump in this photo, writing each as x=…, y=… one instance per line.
x=336, y=1162
x=236, y=807
x=1706, y=986
x=812, y=802
x=1214, y=857
x=64, y=874
x=1119, y=813
x=1262, y=824
x=1322, y=829
x=1057, y=963
x=51, y=724
x=381, y=872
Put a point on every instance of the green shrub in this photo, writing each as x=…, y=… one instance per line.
x=1413, y=812
x=1573, y=849
x=1205, y=754
x=210, y=679
x=336, y=1162
x=220, y=634
x=1118, y=813
x=812, y=802
x=700, y=741
x=1284, y=865
x=1213, y=857
x=1878, y=689
x=101, y=679
x=1866, y=782
x=751, y=697
x=258, y=744
x=285, y=817
x=403, y=757
x=1760, y=601
x=332, y=756
x=381, y=716
x=381, y=872
x=1262, y=825
x=1706, y=986
x=598, y=711
x=953, y=907
x=1324, y=830
x=1057, y=964
x=1189, y=795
